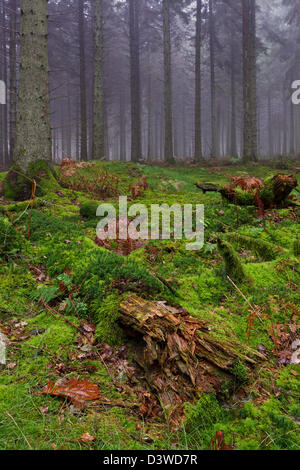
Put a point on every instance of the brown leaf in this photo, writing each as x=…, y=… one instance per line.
x=78, y=391
x=44, y=410
x=11, y=365
x=86, y=437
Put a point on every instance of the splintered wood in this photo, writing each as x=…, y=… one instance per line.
x=179, y=355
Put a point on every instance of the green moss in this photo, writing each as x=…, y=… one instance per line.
x=106, y=314
x=11, y=241
x=204, y=413
x=89, y=209
x=19, y=186
x=265, y=250
x=233, y=266
x=57, y=338
x=239, y=371
x=297, y=247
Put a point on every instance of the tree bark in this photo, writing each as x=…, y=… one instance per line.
x=168, y=105
x=198, y=129
x=13, y=77
x=179, y=355
x=214, y=135
x=82, y=65
x=136, y=139
x=33, y=138
x=249, y=80
x=98, y=126
x=233, y=140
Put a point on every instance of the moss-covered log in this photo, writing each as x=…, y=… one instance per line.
x=179, y=355
x=265, y=250
x=233, y=266
x=249, y=191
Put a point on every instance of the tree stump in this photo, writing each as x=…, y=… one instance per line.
x=179, y=355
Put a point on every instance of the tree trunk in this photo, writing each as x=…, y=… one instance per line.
x=233, y=140
x=270, y=124
x=249, y=80
x=122, y=127
x=168, y=112
x=179, y=355
x=82, y=62
x=136, y=139
x=198, y=130
x=33, y=138
x=98, y=127
x=214, y=137
x=292, y=130
x=13, y=77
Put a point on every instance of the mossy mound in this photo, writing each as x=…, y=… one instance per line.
x=261, y=248
x=11, y=241
x=297, y=247
x=18, y=186
x=233, y=267
x=89, y=209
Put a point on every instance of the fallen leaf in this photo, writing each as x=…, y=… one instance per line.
x=78, y=391
x=86, y=437
x=44, y=410
x=11, y=365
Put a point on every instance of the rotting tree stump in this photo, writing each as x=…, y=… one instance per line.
x=178, y=353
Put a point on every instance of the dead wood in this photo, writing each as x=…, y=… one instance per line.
x=178, y=353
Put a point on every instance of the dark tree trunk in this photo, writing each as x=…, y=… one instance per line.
x=214, y=137
x=168, y=105
x=249, y=80
x=198, y=130
x=83, y=109
x=136, y=139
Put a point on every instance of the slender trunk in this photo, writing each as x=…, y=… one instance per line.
x=122, y=127
x=270, y=124
x=198, y=130
x=13, y=77
x=233, y=145
x=136, y=139
x=253, y=81
x=214, y=137
x=249, y=80
x=168, y=112
x=292, y=130
x=98, y=126
x=284, y=135
x=83, y=110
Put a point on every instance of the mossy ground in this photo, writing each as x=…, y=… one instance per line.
x=262, y=412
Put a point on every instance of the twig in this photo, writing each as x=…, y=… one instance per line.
x=166, y=283
x=55, y=312
x=244, y=297
x=16, y=424
x=32, y=204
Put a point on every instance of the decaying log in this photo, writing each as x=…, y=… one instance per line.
x=178, y=353
x=208, y=188
x=247, y=191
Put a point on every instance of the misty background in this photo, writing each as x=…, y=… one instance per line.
x=138, y=49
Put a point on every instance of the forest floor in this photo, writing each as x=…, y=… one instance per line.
x=59, y=307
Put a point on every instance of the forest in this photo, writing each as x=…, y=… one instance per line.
x=149, y=226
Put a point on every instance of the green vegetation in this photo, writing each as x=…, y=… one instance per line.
x=59, y=281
